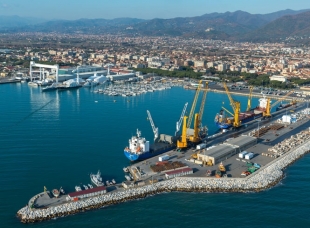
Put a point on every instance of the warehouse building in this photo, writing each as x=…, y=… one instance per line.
x=218, y=153
x=224, y=151
x=243, y=142
x=87, y=193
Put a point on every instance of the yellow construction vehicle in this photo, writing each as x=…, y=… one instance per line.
x=235, y=106
x=209, y=162
x=222, y=167
x=195, y=155
x=186, y=135
x=267, y=112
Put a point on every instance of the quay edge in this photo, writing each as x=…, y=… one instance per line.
x=263, y=179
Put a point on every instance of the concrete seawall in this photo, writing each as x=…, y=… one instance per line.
x=265, y=178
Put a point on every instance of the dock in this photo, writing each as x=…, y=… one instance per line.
x=8, y=80
x=275, y=146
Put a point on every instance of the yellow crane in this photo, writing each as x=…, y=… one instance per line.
x=267, y=112
x=235, y=106
x=250, y=98
x=187, y=121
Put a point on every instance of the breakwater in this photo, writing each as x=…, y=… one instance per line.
x=265, y=178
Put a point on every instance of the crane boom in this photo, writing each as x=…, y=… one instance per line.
x=155, y=129
x=203, y=101
x=281, y=99
x=227, y=111
x=178, y=125
x=231, y=100
x=250, y=99
x=191, y=114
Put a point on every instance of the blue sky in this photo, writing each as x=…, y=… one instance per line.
x=145, y=9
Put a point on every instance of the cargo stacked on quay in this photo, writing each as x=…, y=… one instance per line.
x=264, y=178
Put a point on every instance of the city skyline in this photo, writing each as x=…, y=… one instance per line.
x=76, y=9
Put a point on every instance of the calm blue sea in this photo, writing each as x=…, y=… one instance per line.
x=56, y=139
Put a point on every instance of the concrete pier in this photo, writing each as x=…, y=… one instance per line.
x=264, y=178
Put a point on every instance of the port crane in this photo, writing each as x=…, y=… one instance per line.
x=250, y=99
x=235, y=106
x=267, y=112
x=195, y=137
x=155, y=129
x=178, y=125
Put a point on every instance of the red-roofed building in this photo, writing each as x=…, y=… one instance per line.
x=179, y=172
x=87, y=193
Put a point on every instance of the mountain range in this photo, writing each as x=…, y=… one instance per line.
x=238, y=25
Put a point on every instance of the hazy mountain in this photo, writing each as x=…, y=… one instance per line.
x=273, y=16
x=228, y=24
x=290, y=25
x=238, y=25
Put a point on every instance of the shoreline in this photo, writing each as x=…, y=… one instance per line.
x=265, y=178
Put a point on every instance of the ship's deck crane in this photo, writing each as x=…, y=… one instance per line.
x=195, y=138
x=227, y=111
x=178, y=125
x=250, y=99
x=267, y=112
x=155, y=129
x=235, y=106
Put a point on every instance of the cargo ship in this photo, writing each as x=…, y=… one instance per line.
x=140, y=149
x=223, y=122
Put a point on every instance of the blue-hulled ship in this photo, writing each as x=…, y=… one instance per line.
x=140, y=149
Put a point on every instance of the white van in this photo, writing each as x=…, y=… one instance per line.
x=242, y=154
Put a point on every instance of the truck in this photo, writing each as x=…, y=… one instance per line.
x=248, y=156
x=242, y=154
x=163, y=158
x=201, y=146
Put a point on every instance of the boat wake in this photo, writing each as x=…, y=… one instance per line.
x=29, y=115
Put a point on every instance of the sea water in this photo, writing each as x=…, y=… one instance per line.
x=58, y=138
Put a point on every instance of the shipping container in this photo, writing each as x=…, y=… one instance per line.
x=201, y=146
x=242, y=154
x=163, y=158
x=249, y=156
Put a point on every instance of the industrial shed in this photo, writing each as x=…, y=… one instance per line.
x=217, y=153
x=87, y=193
x=243, y=142
x=224, y=151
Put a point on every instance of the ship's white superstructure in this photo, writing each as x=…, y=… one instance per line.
x=138, y=144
